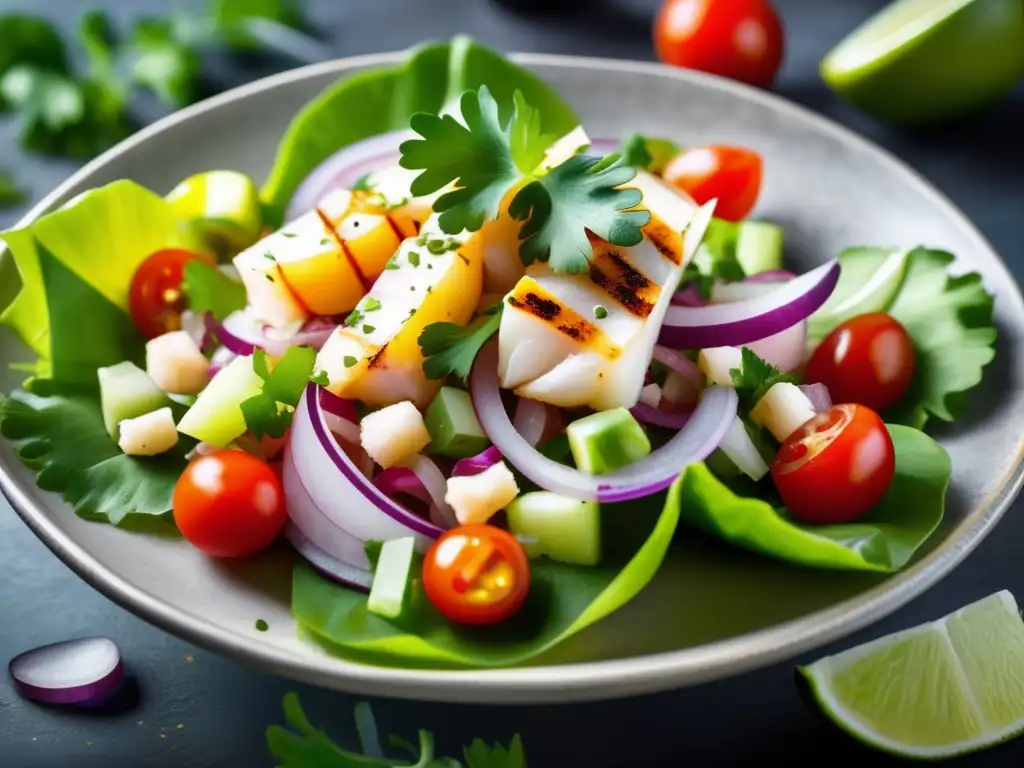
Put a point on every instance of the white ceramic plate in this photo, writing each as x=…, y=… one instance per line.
x=712, y=611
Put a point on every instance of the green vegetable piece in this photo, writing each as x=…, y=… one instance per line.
x=126, y=392
x=30, y=41
x=244, y=24
x=753, y=380
x=450, y=349
x=391, y=578
x=607, y=440
x=270, y=412
x=223, y=207
x=261, y=625
x=454, y=429
x=216, y=418
x=758, y=246
x=563, y=528
x=649, y=154
x=882, y=540
x=163, y=63
x=210, y=290
x=11, y=194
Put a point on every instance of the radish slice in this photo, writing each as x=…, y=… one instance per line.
x=83, y=671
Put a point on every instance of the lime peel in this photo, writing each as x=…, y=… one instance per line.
x=934, y=691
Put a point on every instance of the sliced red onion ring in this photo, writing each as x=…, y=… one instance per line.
x=350, y=576
x=740, y=322
x=530, y=419
x=340, y=490
x=680, y=363
x=87, y=670
x=436, y=486
x=228, y=339
x=241, y=333
x=771, y=276
x=345, y=167
x=649, y=415
x=690, y=296
x=819, y=396
x=402, y=480
x=707, y=425
x=477, y=464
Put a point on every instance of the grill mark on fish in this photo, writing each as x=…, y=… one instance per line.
x=668, y=243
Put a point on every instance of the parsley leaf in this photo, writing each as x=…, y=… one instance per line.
x=320, y=378
x=756, y=377
x=11, y=194
x=449, y=349
x=634, y=151
x=210, y=290
x=270, y=412
x=578, y=197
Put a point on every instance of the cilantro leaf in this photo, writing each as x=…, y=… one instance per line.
x=161, y=62
x=478, y=157
x=30, y=41
x=210, y=290
x=634, y=151
x=450, y=349
x=11, y=194
x=62, y=437
x=480, y=755
x=649, y=154
x=756, y=377
x=578, y=197
x=270, y=412
x=526, y=141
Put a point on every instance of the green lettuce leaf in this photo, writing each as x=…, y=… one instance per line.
x=563, y=600
x=948, y=318
x=101, y=236
x=383, y=100
x=883, y=540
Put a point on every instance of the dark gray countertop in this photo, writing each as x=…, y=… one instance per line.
x=198, y=709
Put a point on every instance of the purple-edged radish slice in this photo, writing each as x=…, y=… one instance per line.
x=83, y=671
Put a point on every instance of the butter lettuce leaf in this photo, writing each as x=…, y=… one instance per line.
x=563, y=600
x=882, y=540
x=382, y=100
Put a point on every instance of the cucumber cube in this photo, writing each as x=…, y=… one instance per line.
x=758, y=246
x=127, y=392
x=391, y=577
x=453, y=426
x=216, y=417
x=607, y=440
x=563, y=528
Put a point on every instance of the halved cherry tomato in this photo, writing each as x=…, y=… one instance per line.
x=869, y=359
x=476, y=574
x=155, y=299
x=837, y=466
x=229, y=504
x=740, y=39
x=732, y=174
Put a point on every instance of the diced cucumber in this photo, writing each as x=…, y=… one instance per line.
x=607, y=440
x=758, y=246
x=563, y=528
x=661, y=151
x=216, y=418
x=453, y=426
x=391, y=577
x=718, y=245
x=126, y=392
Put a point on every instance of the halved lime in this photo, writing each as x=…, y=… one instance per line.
x=223, y=208
x=918, y=61
x=935, y=691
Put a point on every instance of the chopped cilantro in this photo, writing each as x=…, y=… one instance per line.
x=422, y=239
x=261, y=625
x=437, y=247
x=270, y=412
x=634, y=151
x=349, y=361
x=368, y=329
x=371, y=304
x=429, y=265
x=269, y=255
x=414, y=258
x=354, y=318
x=392, y=264
x=288, y=234
x=600, y=312
x=363, y=183
x=269, y=277
x=449, y=349
x=210, y=290
x=325, y=241
x=756, y=377
x=321, y=378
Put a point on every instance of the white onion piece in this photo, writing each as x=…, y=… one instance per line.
x=707, y=425
x=742, y=452
x=350, y=576
x=87, y=670
x=819, y=396
x=340, y=489
x=434, y=481
x=319, y=528
x=345, y=167
x=785, y=350
x=195, y=326
x=530, y=419
x=740, y=322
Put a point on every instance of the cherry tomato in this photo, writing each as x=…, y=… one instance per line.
x=476, y=574
x=739, y=39
x=229, y=504
x=731, y=174
x=837, y=466
x=869, y=359
x=155, y=299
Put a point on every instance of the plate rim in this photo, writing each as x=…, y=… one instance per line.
x=565, y=682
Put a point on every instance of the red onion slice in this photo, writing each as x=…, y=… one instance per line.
x=649, y=415
x=350, y=576
x=771, y=276
x=740, y=322
x=396, y=481
x=87, y=670
x=707, y=425
x=345, y=167
x=819, y=396
x=436, y=486
x=680, y=363
x=690, y=296
x=530, y=419
x=477, y=464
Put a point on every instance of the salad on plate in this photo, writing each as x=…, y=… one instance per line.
x=476, y=366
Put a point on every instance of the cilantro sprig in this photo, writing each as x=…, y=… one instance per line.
x=755, y=377
x=450, y=349
x=301, y=745
x=487, y=159
x=270, y=412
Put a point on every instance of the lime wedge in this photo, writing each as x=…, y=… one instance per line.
x=919, y=61
x=223, y=208
x=935, y=691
